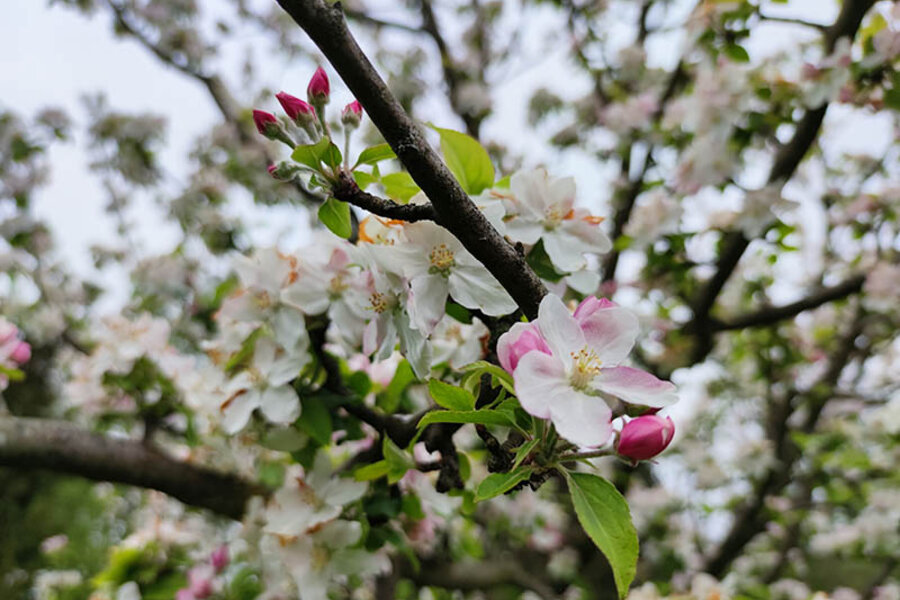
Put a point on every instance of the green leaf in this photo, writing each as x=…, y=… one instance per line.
x=11, y=373
x=485, y=417
x=500, y=483
x=315, y=420
x=335, y=215
x=451, y=397
x=524, y=450
x=313, y=155
x=604, y=515
x=397, y=460
x=540, y=263
x=737, y=53
x=372, y=471
x=498, y=374
x=467, y=159
x=389, y=400
x=363, y=179
x=375, y=154
x=399, y=186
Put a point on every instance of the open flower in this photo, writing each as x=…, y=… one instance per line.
x=543, y=208
x=437, y=265
x=570, y=384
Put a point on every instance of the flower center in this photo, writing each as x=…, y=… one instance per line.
x=441, y=258
x=378, y=302
x=337, y=286
x=586, y=365
x=320, y=558
x=554, y=215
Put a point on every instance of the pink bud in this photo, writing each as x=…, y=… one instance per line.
x=219, y=558
x=318, y=90
x=296, y=109
x=271, y=169
x=521, y=339
x=199, y=582
x=645, y=437
x=21, y=353
x=8, y=331
x=352, y=114
x=265, y=122
x=184, y=594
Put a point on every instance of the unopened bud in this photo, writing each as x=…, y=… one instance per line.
x=268, y=125
x=319, y=90
x=352, y=115
x=521, y=339
x=283, y=171
x=21, y=354
x=219, y=558
x=645, y=437
x=298, y=111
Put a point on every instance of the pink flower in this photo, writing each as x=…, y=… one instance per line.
x=570, y=384
x=521, y=339
x=352, y=114
x=265, y=122
x=645, y=437
x=318, y=89
x=295, y=108
x=200, y=582
x=184, y=594
x=219, y=558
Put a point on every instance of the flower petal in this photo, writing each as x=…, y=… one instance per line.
x=582, y=419
x=559, y=328
x=475, y=287
x=280, y=404
x=636, y=386
x=540, y=381
x=610, y=332
x=427, y=298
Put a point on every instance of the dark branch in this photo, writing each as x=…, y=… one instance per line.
x=325, y=24
x=27, y=443
x=348, y=191
x=767, y=316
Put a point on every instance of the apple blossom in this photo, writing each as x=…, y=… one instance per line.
x=645, y=437
x=570, y=384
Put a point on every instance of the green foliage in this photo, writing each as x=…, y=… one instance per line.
x=604, y=515
x=451, y=397
x=500, y=483
x=375, y=154
x=335, y=215
x=323, y=152
x=467, y=160
x=399, y=186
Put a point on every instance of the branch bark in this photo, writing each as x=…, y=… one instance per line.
x=325, y=24
x=29, y=443
x=348, y=191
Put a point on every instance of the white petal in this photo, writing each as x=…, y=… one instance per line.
x=524, y=229
x=427, y=299
x=280, y=404
x=414, y=347
x=307, y=295
x=559, y=328
x=540, y=379
x=584, y=282
x=237, y=413
x=636, y=386
x=475, y=287
x=611, y=333
x=583, y=420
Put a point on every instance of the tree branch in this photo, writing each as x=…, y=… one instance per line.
x=348, y=191
x=773, y=314
x=325, y=24
x=787, y=159
x=29, y=443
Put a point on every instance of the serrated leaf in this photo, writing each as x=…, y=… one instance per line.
x=604, y=515
x=450, y=397
x=335, y=215
x=375, y=154
x=467, y=160
x=501, y=376
x=314, y=155
x=399, y=186
x=500, y=483
x=485, y=417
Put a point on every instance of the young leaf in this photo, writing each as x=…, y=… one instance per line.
x=372, y=471
x=500, y=483
x=323, y=151
x=397, y=460
x=485, y=417
x=375, y=154
x=399, y=186
x=335, y=215
x=450, y=397
x=467, y=159
x=315, y=420
x=524, y=450
x=604, y=515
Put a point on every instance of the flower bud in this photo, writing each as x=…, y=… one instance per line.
x=352, y=115
x=21, y=354
x=318, y=90
x=296, y=109
x=645, y=437
x=521, y=339
x=219, y=558
x=283, y=171
x=268, y=125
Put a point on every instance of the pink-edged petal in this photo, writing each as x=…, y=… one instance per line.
x=540, y=381
x=611, y=333
x=583, y=420
x=559, y=328
x=636, y=386
x=521, y=339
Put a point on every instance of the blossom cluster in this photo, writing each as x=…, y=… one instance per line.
x=14, y=351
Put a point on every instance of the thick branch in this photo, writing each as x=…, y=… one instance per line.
x=27, y=443
x=325, y=25
x=348, y=191
x=767, y=316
